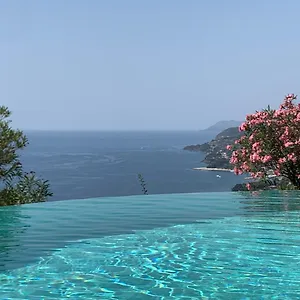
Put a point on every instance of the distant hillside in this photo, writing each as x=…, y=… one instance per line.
x=217, y=156
x=222, y=125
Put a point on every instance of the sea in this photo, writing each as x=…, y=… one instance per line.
x=82, y=165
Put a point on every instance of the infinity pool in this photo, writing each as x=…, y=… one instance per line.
x=184, y=246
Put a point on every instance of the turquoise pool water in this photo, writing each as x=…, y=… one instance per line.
x=195, y=246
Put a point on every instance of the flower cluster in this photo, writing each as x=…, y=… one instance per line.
x=271, y=143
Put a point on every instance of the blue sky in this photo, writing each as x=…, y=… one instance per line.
x=109, y=65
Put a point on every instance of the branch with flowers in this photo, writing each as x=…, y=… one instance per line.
x=270, y=144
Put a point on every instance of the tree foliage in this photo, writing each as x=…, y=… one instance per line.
x=270, y=144
x=16, y=186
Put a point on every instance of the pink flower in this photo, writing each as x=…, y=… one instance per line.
x=259, y=174
x=288, y=144
x=292, y=157
x=282, y=160
x=229, y=147
x=237, y=171
x=254, y=157
x=245, y=167
x=277, y=172
x=233, y=160
x=243, y=127
x=256, y=146
x=266, y=158
x=291, y=97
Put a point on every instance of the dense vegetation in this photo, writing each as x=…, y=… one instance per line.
x=17, y=186
x=270, y=144
x=217, y=155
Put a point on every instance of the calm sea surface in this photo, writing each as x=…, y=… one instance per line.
x=97, y=164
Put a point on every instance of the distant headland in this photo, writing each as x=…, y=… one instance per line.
x=221, y=125
x=217, y=156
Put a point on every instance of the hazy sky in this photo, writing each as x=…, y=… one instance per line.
x=159, y=64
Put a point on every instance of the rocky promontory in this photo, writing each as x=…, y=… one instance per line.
x=217, y=156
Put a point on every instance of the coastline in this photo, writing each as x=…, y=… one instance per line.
x=212, y=169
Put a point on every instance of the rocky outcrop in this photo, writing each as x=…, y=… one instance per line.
x=255, y=186
x=277, y=182
x=217, y=156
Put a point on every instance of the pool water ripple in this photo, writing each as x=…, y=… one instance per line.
x=249, y=252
